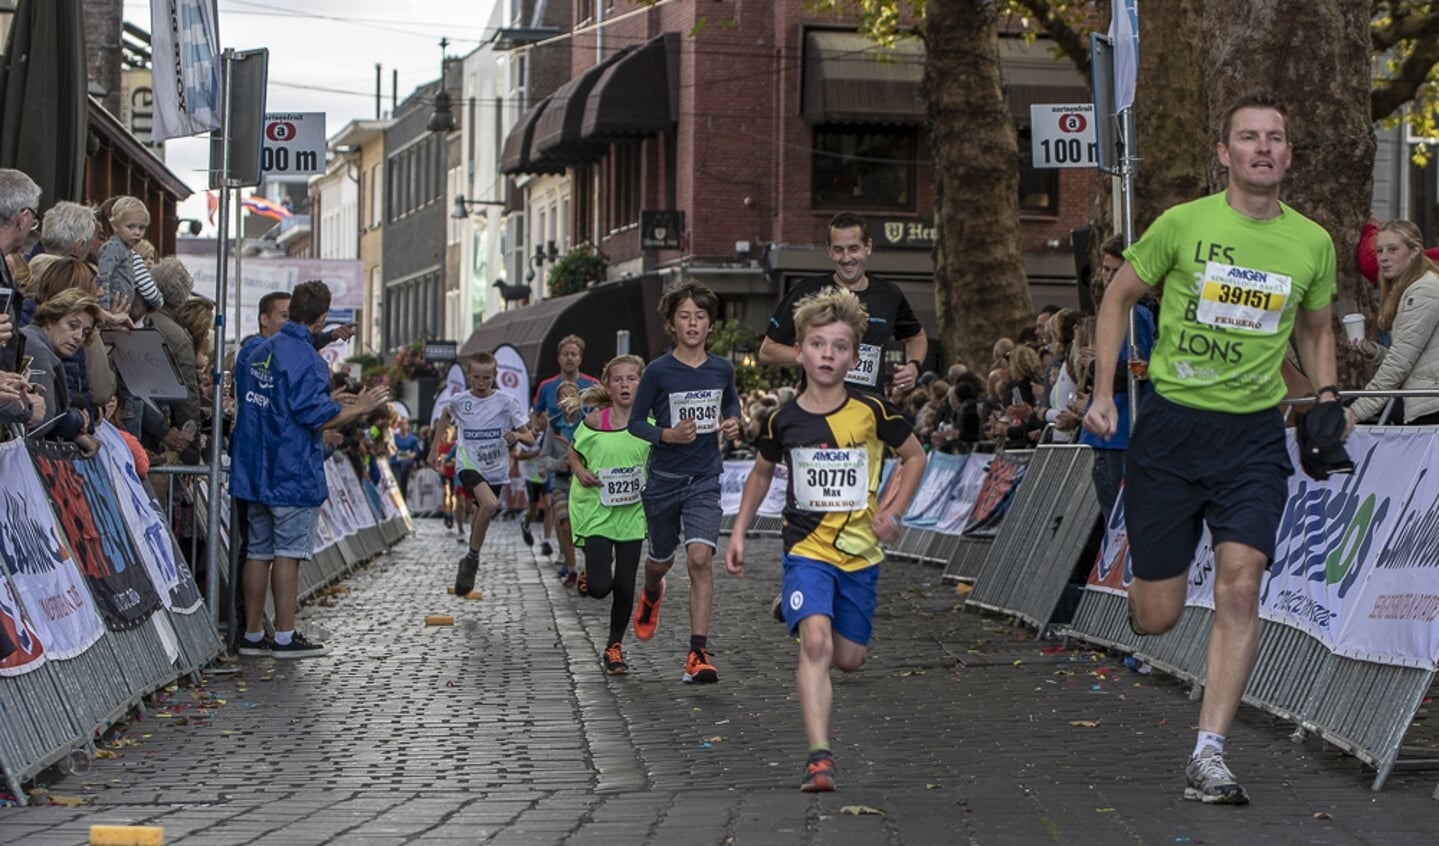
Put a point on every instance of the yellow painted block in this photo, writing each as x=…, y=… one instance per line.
x=439, y=620
x=450, y=590
x=127, y=835
x=474, y=594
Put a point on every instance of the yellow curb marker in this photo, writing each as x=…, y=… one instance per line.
x=439, y=620
x=127, y=835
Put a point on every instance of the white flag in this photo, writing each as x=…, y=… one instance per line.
x=1124, y=35
x=185, y=46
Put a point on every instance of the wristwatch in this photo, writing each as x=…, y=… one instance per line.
x=918, y=369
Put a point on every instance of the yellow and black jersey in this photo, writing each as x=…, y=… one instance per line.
x=834, y=462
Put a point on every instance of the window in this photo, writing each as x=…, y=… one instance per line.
x=377, y=196
x=869, y=168
x=414, y=308
x=624, y=192
x=1038, y=187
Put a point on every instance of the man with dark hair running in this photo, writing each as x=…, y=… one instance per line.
x=1240, y=272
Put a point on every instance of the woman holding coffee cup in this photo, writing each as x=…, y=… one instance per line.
x=1409, y=309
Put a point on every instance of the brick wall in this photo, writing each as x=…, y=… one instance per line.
x=103, y=22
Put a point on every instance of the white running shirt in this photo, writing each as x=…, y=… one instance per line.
x=482, y=424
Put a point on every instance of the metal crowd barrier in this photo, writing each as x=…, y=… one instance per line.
x=1043, y=534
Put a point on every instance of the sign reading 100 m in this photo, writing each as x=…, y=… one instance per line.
x=294, y=143
x=1063, y=135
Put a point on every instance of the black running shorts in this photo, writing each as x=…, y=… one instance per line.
x=471, y=480
x=1186, y=467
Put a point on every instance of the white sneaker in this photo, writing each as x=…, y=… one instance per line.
x=1211, y=782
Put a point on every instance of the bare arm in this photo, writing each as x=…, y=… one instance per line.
x=1314, y=341
x=774, y=354
x=1110, y=327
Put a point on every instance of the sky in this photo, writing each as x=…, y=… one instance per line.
x=323, y=55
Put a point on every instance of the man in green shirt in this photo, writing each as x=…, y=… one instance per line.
x=1239, y=273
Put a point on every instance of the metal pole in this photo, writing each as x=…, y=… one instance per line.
x=217, y=363
x=239, y=264
x=1126, y=206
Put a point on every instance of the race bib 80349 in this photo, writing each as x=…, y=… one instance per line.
x=830, y=479
x=703, y=407
x=1241, y=298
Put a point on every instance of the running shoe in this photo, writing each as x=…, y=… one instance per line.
x=298, y=647
x=545, y=549
x=698, y=669
x=1211, y=782
x=776, y=608
x=647, y=615
x=465, y=576
x=818, y=775
x=262, y=648
x=615, y=660
x=525, y=534
x=449, y=521
x=582, y=586
x=571, y=578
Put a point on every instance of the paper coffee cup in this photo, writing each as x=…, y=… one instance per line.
x=1354, y=326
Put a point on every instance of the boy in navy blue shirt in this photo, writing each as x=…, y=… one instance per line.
x=691, y=395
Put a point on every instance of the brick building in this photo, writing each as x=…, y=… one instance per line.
x=753, y=132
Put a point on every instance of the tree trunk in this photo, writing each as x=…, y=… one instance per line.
x=1175, y=141
x=1316, y=57
x=980, y=288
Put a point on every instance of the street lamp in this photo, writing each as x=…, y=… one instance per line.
x=460, y=210
x=442, y=120
x=742, y=357
x=541, y=256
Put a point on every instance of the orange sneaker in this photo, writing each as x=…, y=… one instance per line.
x=647, y=615
x=615, y=660
x=818, y=775
x=698, y=669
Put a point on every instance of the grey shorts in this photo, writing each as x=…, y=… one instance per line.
x=681, y=507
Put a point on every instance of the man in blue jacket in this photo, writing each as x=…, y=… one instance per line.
x=278, y=465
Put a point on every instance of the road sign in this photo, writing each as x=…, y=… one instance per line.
x=294, y=143
x=1063, y=135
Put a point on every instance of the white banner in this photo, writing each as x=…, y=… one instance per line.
x=42, y=569
x=147, y=530
x=732, y=479
x=774, y=498
x=941, y=475
x=344, y=277
x=512, y=375
x=963, y=494
x=185, y=46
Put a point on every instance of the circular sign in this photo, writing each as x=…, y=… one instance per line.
x=509, y=379
x=280, y=130
x=1072, y=123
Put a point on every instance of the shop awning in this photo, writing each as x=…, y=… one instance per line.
x=594, y=314
x=517, y=154
x=638, y=94
x=558, y=134
x=850, y=79
x=1033, y=74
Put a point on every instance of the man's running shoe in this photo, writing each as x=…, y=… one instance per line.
x=262, y=648
x=449, y=521
x=582, y=586
x=525, y=534
x=465, y=575
x=698, y=669
x=818, y=775
x=647, y=615
x=545, y=549
x=298, y=647
x=1211, y=782
x=615, y=660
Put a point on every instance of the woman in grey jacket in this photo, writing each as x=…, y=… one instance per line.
x=1410, y=309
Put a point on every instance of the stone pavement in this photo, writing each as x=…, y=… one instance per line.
x=961, y=729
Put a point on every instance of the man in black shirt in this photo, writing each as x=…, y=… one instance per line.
x=890, y=315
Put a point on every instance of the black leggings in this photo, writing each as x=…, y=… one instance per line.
x=611, y=566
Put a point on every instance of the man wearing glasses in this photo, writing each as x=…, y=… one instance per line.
x=19, y=195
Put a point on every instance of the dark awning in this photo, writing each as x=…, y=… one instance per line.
x=594, y=314
x=517, y=155
x=558, y=133
x=850, y=79
x=1033, y=74
x=637, y=95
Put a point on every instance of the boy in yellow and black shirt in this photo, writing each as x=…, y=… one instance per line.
x=832, y=440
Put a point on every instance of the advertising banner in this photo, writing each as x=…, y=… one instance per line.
x=732, y=479
x=964, y=494
x=941, y=477
x=90, y=520
x=37, y=557
x=148, y=531
x=185, y=44
x=20, y=648
x=1005, y=472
